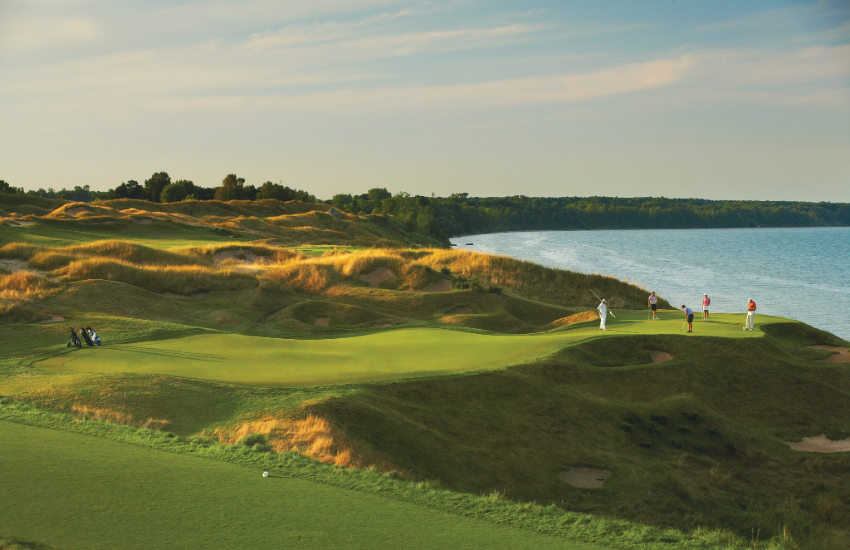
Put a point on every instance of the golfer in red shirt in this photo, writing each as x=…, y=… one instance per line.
x=751, y=313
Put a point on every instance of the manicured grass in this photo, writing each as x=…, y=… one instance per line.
x=386, y=355
x=75, y=491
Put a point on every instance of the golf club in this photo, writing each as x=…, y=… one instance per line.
x=683, y=326
x=600, y=299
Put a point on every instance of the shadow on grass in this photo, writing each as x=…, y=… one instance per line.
x=177, y=354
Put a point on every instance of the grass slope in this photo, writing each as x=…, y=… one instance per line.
x=693, y=441
x=74, y=491
x=385, y=355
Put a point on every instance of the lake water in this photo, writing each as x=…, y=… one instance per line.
x=803, y=273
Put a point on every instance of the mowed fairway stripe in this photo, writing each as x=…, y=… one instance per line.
x=76, y=491
x=392, y=354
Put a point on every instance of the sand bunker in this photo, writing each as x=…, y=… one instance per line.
x=55, y=318
x=820, y=444
x=14, y=265
x=659, y=356
x=462, y=310
x=588, y=478
x=321, y=321
x=843, y=355
x=19, y=223
x=444, y=285
x=378, y=276
x=245, y=256
x=76, y=211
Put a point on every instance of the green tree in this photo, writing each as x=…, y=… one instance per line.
x=6, y=187
x=231, y=188
x=378, y=194
x=177, y=191
x=128, y=190
x=156, y=184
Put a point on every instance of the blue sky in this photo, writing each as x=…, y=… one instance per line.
x=738, y=100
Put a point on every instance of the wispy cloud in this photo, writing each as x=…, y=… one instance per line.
x=45, y=33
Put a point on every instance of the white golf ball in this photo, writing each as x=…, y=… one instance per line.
x=265, y=474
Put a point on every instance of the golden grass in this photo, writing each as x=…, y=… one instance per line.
x=20, y=288
x=183, y=279
x=109, y=416
x=311, y=436
x=21, y=251
x=308, y=275
x=577, y=318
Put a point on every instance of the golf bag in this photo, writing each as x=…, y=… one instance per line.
x=75, y=340
x=84, y=333
x=95, y=338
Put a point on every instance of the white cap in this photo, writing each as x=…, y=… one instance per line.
x=603, y=299
x=705, y=294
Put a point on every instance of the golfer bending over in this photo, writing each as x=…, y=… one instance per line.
x=705, y=301
x=689, y=313
x=653, y=303
x=751, y=314
x=603, y=313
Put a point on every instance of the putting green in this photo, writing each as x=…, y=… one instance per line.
x=386, y=355
x=75, y=491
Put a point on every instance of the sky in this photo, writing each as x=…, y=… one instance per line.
x=717, y=100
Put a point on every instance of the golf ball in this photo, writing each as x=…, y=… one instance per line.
x=265, y=474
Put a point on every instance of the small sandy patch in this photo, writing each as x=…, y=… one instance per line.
x=321, y=321
x=76, y=211
x=588, y=478
x=378, y=276
x=659, y=356
x=843, y=355
x=245, y=256
x=444, y=285
x=462, y=310
x=142, y=221
x=14, y=265
x=820, y=444
x=55, y=318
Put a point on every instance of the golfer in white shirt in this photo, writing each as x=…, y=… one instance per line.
x=603, y=313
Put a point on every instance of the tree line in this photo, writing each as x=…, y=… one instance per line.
x=460, y=214
x=160, y=188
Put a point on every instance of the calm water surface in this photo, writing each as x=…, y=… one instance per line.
x=803, y=274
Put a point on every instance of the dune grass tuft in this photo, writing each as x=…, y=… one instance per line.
x=182, y=279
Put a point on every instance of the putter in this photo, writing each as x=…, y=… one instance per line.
x=683, y=326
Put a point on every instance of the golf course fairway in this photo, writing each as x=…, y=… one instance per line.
x=77, y=491
x=386, y=355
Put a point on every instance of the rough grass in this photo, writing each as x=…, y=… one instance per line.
x=311, y=436
x=694, y=441
x=350, y=493
x=182, y=279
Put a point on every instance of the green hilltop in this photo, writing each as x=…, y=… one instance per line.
x=396, y=390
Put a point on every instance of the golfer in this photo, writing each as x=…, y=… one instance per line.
x=705, y=301
x=653, y=304
x=751, y=314
x=603, y=313
x=690, y=315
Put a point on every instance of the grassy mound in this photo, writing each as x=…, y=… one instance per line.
x=693, y=441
